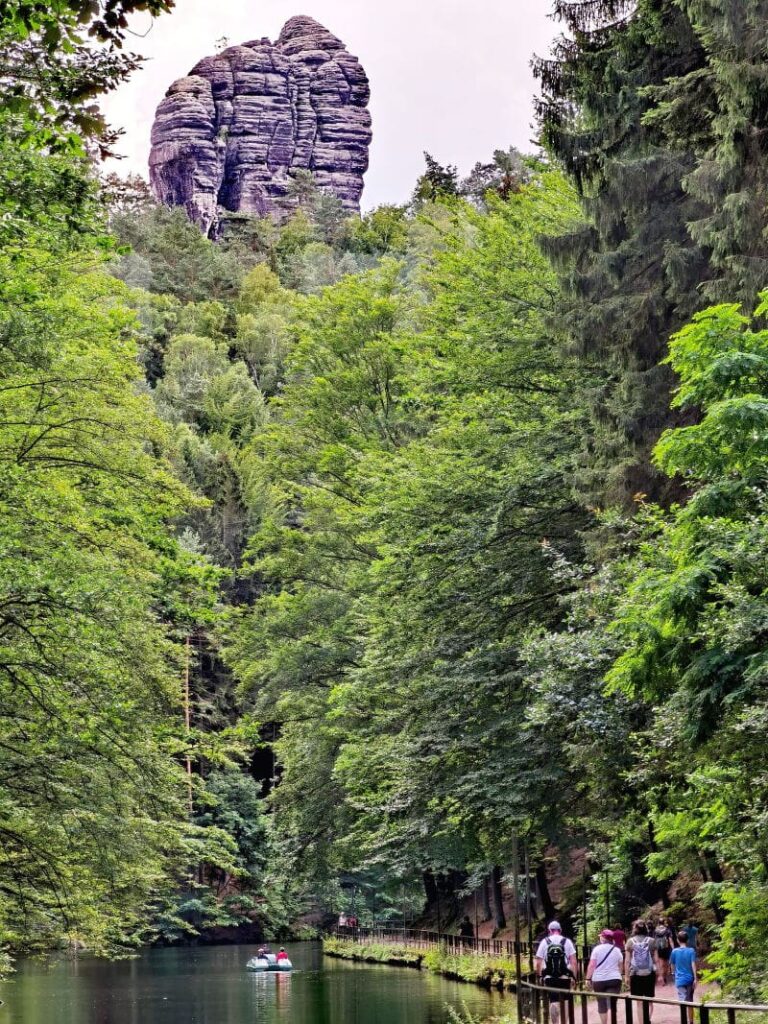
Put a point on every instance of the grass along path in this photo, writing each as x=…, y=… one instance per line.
x=488, y=971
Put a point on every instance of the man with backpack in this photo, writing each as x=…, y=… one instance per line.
x=641, y=964
x=665, y=941
x=556, y=966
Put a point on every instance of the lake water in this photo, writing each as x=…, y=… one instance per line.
x=209, y=985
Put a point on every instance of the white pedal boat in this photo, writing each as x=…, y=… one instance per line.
x=268, y=962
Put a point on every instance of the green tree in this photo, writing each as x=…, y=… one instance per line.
x=435, y=183
x=89, y=676
x=417, y=459
x=178, y=259
x=631, y=270
x=56, y=59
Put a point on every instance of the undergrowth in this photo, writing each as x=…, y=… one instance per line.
x=491, y=972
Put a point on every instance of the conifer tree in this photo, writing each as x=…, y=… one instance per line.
x=729, y=103
x=631, y=271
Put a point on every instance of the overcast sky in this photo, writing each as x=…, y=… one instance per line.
x=451, y=77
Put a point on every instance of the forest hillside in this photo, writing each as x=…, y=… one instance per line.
x=343, y=556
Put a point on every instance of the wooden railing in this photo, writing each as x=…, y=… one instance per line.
x=417, y=938
x=534, y=999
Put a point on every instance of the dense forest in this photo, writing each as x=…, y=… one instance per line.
x=340, y=556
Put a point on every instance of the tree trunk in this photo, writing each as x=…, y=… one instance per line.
x=485, y=899
x=715, y=872
x=499, y=916
x=430, y=888
x=547, y=906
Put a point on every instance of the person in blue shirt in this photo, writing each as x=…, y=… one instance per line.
x=693, y=935
x=683, y=961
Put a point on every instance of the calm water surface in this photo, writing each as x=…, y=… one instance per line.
x=211, y=986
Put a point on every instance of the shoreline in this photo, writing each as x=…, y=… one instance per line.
x=471, y=968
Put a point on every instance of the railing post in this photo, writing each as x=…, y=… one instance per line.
x=703, y=1013
x=518, y=980
x=646, y=1012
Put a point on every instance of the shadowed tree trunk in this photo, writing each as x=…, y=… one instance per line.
x=547, y=906
x=715, y=872
x=499, y=916
x=430, y=888
x=485, y=899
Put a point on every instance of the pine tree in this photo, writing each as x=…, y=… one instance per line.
x=632, y=269
x=731, y=176
x=436, y=182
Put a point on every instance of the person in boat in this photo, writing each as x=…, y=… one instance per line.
x=282, y=955
x=261, y=953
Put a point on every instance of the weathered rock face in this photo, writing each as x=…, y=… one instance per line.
x=233, y=132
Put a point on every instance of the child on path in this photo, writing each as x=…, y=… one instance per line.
x=683, y=960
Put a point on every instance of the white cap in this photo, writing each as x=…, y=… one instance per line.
x=554, y=926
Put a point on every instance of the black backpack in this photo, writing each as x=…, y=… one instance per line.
x=556, y=964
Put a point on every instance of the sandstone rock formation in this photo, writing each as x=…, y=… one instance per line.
x=232, y=133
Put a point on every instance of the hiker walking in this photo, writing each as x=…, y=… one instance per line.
x=641, y=963
x=605, y=971
x=665, y=941
x=556, y=966
x=466, y=931
x=683, y=960
x=619, y=937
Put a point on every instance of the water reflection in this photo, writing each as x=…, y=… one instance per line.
x=211, y=986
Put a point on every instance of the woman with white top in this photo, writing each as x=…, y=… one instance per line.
x=605, y=971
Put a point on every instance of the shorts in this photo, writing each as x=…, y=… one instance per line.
x=685, y=992
x=613, y=985
x=643, y=984
x=563, y=983
x=664, y=954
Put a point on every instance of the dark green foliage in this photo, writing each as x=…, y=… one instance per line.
x=435, y=183
x=318, y=488
x=56, y=59
x=90, y=709
x=728, y=131
x=631, y=271
x=235, y=807
x=422, y=451
x=170, y=256
x=506, y=173
x=657, y=111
